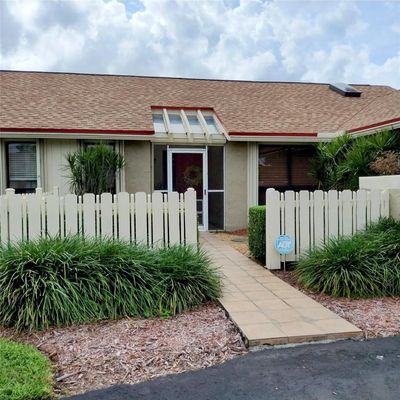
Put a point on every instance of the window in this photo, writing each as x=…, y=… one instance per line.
x=212, y=126
x=284, y=168
x=175, y=121
x=21, y=166
x=194, y=124
x=158, y=122
x=160, y=167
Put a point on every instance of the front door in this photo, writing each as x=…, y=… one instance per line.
x=187, y=168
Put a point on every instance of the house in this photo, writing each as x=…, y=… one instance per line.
x=230, y=140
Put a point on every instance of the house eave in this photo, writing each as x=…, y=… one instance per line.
x=49, y=133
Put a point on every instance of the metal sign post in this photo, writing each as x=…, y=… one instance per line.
x=284, y=245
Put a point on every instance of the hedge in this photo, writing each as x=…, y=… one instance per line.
x=64, y=281
x=257, y=232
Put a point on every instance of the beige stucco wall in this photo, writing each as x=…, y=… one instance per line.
x=138, y=166
x=235, y=186
x=53, y=163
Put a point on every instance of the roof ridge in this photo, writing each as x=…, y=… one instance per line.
x=182, y=78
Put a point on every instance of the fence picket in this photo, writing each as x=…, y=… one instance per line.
x=106, y=215
x=319, y=217
x=347, y=212
x=141, y=217
x=304, y=205
x=33, y=211
x=4, y=234
x=71, y=214
x=190, y=216
x=375, y=204
x=173, y=220
x=289, y=224
x=123, y=216
x=361, y=211
x=15, y=209
x=272, y=221
x=157, y=213
x=333, y=213
x=52, y=215
x=89, y=218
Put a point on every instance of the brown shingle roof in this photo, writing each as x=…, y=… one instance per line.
x=123, y=103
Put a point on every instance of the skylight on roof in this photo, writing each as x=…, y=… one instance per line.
x=158, y=122
x=176, y=123
x=212, y=126
x=194, y=125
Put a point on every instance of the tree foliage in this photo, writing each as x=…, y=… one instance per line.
x=338, y=164
x=93, y=169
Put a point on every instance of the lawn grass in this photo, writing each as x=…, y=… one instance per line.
x=25, y=374
x=56, y=282
x=364, y=265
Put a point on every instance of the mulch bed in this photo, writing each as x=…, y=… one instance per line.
x=99, y=355
x=377, y=317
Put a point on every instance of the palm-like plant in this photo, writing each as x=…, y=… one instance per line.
x=93, y=169
x=339, y=163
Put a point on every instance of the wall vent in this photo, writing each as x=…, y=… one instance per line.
x=344, y=89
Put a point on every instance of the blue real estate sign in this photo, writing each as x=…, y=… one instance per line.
x=284, y=244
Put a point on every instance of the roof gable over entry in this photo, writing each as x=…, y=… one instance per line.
x=122, y=105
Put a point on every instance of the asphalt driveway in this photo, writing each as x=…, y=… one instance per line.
x=341, y=370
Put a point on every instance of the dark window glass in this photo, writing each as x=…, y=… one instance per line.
x=160, y=167
x=215, y=211
x=21, y=167
x=284, y=168
x=215, y=168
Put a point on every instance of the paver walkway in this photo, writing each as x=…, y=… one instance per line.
x=266, y=309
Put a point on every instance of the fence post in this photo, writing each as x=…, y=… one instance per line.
x=4, y=220
x=272, y=228
x=190, y=216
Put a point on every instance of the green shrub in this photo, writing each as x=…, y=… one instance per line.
x=257, y=232
x=54, y=282
x=339, y=163
x=25, y=374
x=93, y=169
x=364, y=265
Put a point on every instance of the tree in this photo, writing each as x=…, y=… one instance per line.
x=338, y=164
x=93, y=169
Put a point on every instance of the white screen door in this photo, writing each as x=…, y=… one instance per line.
x=188, y=168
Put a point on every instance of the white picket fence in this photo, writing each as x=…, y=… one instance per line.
x=158, y=219
x=310, y=218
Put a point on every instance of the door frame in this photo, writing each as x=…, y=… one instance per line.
x=170, y=153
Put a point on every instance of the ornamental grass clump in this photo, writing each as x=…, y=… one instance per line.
x=364, y=265
x=56, y=282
